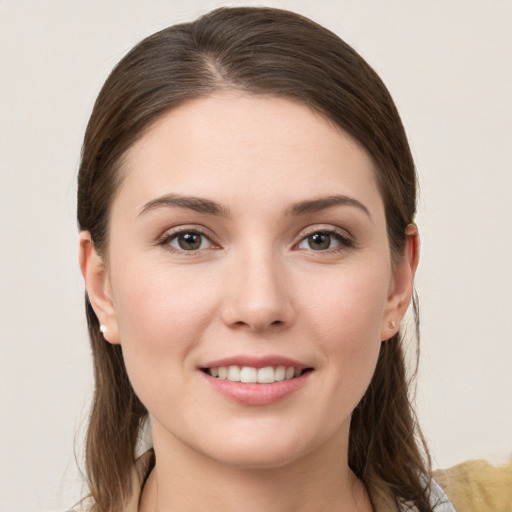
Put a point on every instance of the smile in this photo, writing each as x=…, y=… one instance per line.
x=256, y=380
x=252, y=375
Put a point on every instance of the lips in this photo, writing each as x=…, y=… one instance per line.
x=256, y=381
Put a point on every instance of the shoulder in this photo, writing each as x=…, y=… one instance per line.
x=477, y=486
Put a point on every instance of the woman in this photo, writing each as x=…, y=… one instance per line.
x=246, y=204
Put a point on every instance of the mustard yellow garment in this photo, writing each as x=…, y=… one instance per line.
x=476, y=486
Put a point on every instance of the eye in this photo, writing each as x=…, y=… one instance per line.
x=324, y=241
x=187, y=241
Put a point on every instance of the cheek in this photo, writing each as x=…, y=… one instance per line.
x=161, y=316
x=156, y=302
x=349, y=303
x=344, y=315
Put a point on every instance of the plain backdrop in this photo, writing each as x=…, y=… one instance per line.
x=447, y=65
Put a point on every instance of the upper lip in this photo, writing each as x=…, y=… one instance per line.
x=256, y=362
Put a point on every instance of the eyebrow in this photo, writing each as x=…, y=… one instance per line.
x=197, y=204
x=207, y=206
x=322, y=203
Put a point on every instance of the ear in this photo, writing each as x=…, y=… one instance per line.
x=401, y=285
x=98, y=287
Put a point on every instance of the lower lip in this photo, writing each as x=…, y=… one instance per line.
x=257, y=394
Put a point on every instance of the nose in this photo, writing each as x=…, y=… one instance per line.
x=258, y=294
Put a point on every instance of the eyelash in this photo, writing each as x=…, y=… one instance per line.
x=344, y=241
x=167, y=238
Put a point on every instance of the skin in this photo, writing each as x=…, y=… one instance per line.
x=255, y=286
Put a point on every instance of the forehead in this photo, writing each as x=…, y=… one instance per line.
x=231, y=144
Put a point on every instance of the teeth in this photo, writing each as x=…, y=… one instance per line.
x=280, y=373
x=248, y=374
x=266, y=375
x=234, y=373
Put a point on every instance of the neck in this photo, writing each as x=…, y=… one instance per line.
x=184, y=481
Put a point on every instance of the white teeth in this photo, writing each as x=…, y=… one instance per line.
x=280, y=373
x=248, y=374
x=266, y=375
x=234, y=374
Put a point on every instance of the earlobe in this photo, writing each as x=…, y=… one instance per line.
x=402, y=283
x=97, y=283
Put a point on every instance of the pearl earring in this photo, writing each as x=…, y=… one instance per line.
x=103, y=329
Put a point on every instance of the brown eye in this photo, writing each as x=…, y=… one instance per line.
x=319, y=241
x=189, y=241
x=325, y=241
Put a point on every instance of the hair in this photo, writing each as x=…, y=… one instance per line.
x=257, y=51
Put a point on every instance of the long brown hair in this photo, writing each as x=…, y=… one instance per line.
x=258, y=51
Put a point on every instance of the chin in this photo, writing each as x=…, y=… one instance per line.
x=255, y=458
x=261, y=451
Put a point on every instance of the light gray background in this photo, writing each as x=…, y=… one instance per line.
x=448, y=66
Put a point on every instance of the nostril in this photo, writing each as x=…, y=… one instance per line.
x=258, y=324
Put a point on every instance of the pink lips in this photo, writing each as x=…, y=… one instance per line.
x=256, y=394
x=256, y=362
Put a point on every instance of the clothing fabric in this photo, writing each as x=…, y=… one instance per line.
x=477, y=486
x=473, y=486
x=438, y=497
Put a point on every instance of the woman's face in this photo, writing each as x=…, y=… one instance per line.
x=249, y=233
